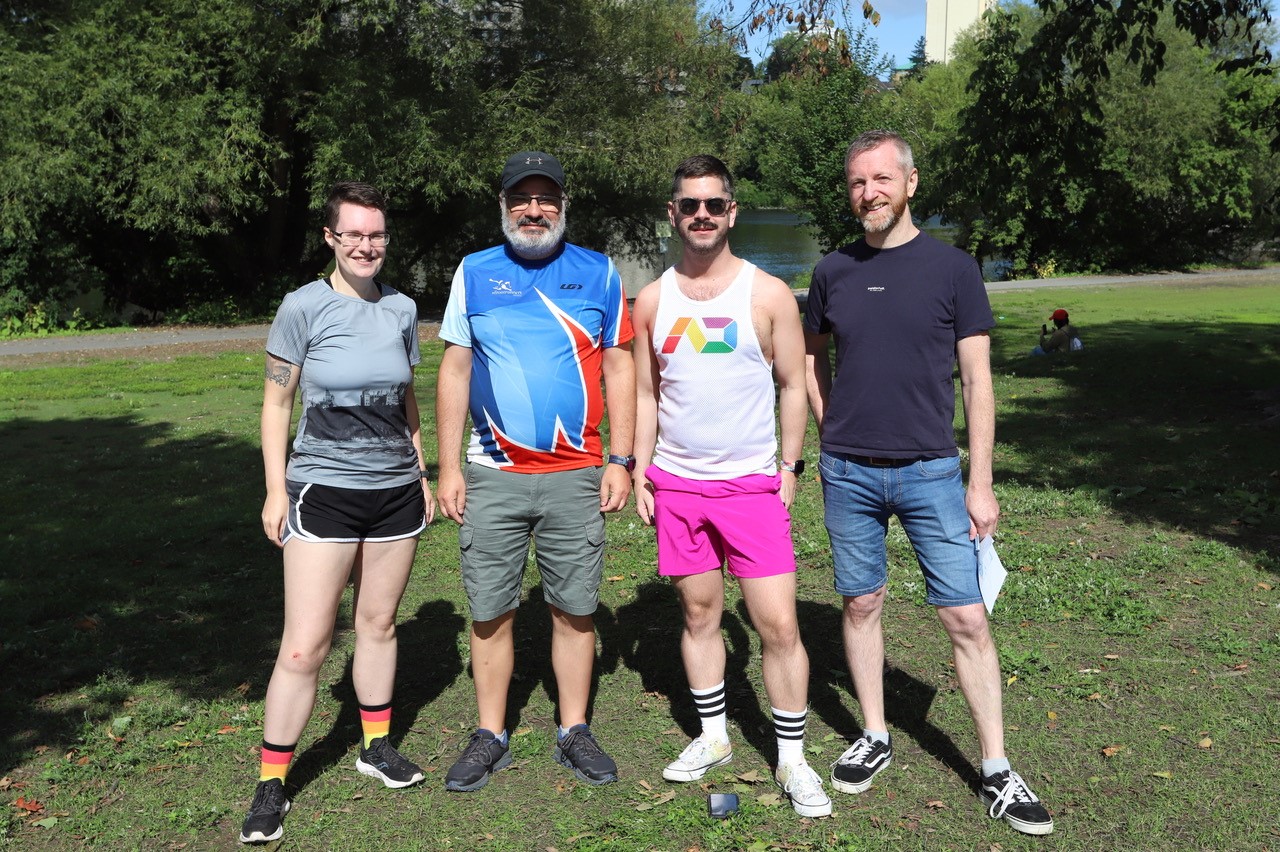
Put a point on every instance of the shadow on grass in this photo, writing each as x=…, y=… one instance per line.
x=1169, y=423
x=133, y=554
x=428, y=663
x=907, y=699
x=647, y=631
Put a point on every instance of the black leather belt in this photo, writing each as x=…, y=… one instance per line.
x=879, y=462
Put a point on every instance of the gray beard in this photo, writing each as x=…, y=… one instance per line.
x=530, y=246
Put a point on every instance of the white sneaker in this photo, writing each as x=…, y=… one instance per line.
x=698, y=756
x=804, y=788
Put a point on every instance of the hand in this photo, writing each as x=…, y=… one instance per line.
x=1044, y=329
x=451, y=494
x=615, y=487
x=983, y=509
x=788, y=489
x=274, y=510
x=644, y=499
x=431, y=503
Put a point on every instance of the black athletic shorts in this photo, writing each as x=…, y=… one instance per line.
x=328, y=513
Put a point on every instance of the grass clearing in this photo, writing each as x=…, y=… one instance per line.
x=1139, y=627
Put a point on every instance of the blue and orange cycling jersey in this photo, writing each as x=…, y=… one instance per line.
x=537, y=331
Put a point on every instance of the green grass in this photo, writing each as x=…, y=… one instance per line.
x=1138, y=629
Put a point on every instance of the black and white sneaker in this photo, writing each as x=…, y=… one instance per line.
x=579, y=751
x=852, y=771
x=484, y=755
x=265, y=821
x=1008, y=797
x=381, y=760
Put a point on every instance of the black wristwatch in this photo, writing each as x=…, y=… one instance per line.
x=628, y=462
x=796, y=467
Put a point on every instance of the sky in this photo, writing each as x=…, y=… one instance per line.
x=901, y=24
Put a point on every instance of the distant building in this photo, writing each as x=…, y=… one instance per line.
x=946, y=19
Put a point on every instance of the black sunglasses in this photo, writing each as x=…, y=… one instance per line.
x=715, y=205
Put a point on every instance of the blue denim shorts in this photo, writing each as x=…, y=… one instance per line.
x=928, y=498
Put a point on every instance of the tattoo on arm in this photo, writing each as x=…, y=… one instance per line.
x=279, y=371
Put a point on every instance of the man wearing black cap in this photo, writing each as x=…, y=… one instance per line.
x=531, y=329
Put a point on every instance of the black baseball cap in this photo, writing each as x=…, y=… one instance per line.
x=527, y=163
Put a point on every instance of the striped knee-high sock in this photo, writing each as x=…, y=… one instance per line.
x=788, y=727
x=710, y=704
x=275, y=761
x=375, y=722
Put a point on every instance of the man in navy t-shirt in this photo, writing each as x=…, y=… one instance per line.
x=905, y=309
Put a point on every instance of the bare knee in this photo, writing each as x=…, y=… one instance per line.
x=300, y=660
x=966, y=625
x=376, y=627
x=864, y=610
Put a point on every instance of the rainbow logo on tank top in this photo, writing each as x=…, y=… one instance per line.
x=700, y=333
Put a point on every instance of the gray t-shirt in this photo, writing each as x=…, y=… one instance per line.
x=356, y=359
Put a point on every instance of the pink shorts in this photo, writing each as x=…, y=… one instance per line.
x=704, y=525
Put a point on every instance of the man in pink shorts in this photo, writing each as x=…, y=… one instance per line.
x=711, y=335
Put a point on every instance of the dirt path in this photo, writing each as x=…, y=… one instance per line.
x=172, y=341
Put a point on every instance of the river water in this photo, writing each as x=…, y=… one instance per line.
x=777, y=241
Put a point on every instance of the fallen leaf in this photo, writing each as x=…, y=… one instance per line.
x=1112, y=751
x=88, y=623
x=243, y=688
x=1088, y=671
x=1052, y=715
x=1164, y=773
x=768, y=799
x=1095, y=697
x=616, y=578
x=1110, y=656
x=1205, y=743
x=31, y=806
x=1240, y=667
x=1266, y=587
x=936, y=804
x=48, y=822
x=1167, y=728
x=228, y=729
x=645, y=784
x=749, y=777
x=1010, y=681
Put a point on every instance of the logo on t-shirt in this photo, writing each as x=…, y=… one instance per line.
x=708, y=335
x=875, y=289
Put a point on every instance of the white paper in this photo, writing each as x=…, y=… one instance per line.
x=991, y=572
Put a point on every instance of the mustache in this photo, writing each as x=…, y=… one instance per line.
x=540, y=221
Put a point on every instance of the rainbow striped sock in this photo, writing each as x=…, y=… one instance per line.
x=275, y=761
x=376, y=722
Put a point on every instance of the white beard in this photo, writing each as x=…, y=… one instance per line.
x=533, y=246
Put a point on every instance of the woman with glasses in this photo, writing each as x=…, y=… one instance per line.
x=350, y=501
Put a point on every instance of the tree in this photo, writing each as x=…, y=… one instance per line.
x=174, y=153
x=919, y=60
x=1081, y=176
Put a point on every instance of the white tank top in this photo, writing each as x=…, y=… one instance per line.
x=716, y=396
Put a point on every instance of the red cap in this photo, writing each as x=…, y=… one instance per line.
x=1059, y=314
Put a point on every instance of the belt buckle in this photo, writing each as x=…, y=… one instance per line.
x=876, y=462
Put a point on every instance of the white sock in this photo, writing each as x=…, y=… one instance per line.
x=710, y=704
x=788, y=727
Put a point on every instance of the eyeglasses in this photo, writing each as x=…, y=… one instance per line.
x=351, y=239
x=520, y=201
x=715, y=205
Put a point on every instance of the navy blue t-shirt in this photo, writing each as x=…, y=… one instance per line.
x=896, y=315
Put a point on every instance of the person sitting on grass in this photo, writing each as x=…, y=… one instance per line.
x=1065, y=337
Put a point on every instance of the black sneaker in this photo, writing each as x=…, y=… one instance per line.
x=265, y=821
x=482, y=757
x=1008, y=797
x=579, y=751
x=852, y=771
x=381, y=760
